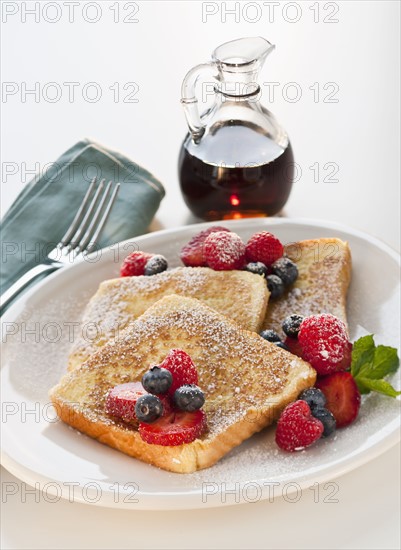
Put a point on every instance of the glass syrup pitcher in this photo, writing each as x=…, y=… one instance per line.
x=236, y=161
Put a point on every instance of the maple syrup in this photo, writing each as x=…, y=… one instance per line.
x=236, y=161
x=241, y=186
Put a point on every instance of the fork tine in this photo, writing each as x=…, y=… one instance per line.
x=78, y=216
x=88, y=214
x=104, y=218
x=91, y=229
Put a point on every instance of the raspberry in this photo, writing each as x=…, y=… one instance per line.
x=181, y=367
x=324, y=342
x=192, y=253
x=264, y=247
x=224, y=251
x=297, y=428
x=134, y=264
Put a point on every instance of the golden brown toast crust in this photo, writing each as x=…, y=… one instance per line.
x=247, y=382
x=240, y=295
x=324, y=267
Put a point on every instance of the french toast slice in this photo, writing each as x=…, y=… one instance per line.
x=324, y=274
x=247, y=382
x=240, y=295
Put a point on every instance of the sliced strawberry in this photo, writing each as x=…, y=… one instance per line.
x=134, y=264
x=167, y=403
x=192, y=253
x=181, y=366
x=293, y=345
x=343, y=397
x=121, y=400
x=177, y=428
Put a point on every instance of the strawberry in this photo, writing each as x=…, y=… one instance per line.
x=177, y=428
x=325, y=344
x=343, y=397
x=181, y=367
x=134, y=264
x=224, y=250
x=297, y=428
x=293, y=346
x=121, y=400
x=167, y=403
x=192, y=253
x=264, y=247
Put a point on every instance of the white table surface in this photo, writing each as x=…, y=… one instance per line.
x=360, y=133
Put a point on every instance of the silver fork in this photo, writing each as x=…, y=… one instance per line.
x=79, y=239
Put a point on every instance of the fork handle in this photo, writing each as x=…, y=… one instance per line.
x=23, y=282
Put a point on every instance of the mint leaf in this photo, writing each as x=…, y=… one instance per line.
x=371, y=363
x=385, y=361
x=363, y=351
x=361, y=386
x=380, y=386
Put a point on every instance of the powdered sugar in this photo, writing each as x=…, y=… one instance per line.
x=321, y=285
x=221, y=352
x=37, y=350
x=120, y=301
x=224, y=250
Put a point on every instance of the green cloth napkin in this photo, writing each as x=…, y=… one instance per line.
x=43, y=211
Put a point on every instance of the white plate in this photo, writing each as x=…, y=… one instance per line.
x=60, y=462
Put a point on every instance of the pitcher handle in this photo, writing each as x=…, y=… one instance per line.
x=189, y=100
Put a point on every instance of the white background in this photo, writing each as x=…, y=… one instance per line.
x=359, y=132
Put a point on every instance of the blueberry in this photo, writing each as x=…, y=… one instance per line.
x=256, y=267
x=275, y=285
x=270, y=335
x=157, y=380
x=156, y=264
x=327, y=419
x=281, y=345
x=314, y=397
x=189, y=397
x=286, y=270
x=291, y=325
x=148, y=408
